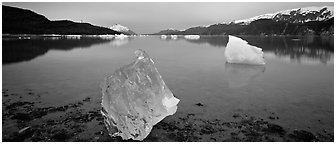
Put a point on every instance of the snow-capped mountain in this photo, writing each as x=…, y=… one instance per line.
x=299, y=21
x=122, y=29
x=171, y=29
x=297, y=15
x=249, y=20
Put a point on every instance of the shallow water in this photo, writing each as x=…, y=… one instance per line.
x=294, y=89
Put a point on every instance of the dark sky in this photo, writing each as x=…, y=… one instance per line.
x=150, y=17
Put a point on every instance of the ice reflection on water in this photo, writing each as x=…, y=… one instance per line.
x=240, y=75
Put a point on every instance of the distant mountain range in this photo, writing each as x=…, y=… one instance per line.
x=122, y=29
x=300, y=21
x=22, y=21
x=299, y=15
x=168, y=31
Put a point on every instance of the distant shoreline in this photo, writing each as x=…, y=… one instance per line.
x=93, y=35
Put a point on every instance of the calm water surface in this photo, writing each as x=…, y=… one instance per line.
x=296, y=84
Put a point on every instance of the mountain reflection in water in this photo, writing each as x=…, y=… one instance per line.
x=296, y=49
x=18, y=50
x=306, y=49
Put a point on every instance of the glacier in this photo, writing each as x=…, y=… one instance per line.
x=239, y=51
x=135, y=98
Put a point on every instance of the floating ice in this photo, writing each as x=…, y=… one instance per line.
x=240, y=75
x=106, y=36
x=173, y=37
x=163, y=36
x=73, y=36
x=238, y=51
x=121, y=36
x=192, y=37
x=135, y=98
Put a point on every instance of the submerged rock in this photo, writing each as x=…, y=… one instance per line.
x=239, y=51
x=135, y=98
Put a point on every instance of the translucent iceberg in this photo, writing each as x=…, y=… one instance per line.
x=135, y=98
x=238, y=51
x=240, y=75
x=192, y=37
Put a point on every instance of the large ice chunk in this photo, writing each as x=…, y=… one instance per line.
x=238, y=51
x=135, y=98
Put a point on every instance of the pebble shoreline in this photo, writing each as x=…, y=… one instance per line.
x=25, y=121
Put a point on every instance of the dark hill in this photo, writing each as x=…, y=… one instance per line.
x=22, y=21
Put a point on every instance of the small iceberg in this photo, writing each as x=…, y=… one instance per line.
x=163, y=36
x=173, y=37
x=239, y=51
x=73, y=36
x=121, y=36
x=192, y=37
x=106, y=36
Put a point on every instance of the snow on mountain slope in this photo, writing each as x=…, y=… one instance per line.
x=171, y=29
x=297, y=15
x=122, y=29
x=249, y=20
x=119, y=28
